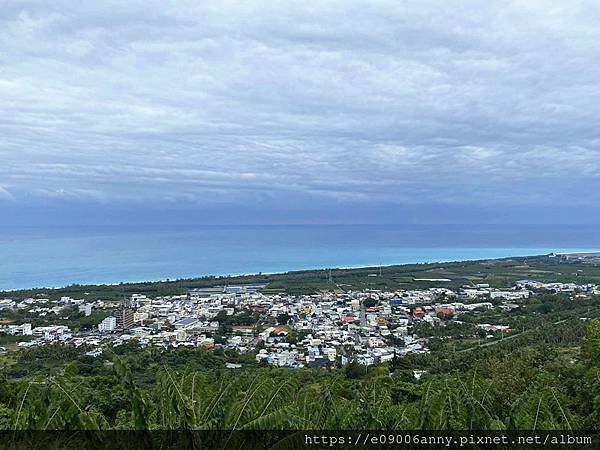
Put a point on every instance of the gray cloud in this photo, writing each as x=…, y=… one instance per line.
x=349, y=102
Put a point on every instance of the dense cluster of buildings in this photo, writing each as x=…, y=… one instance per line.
x=319, y=330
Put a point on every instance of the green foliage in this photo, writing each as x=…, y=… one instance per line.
x=354, y=371
x=7, y=339
x=370, y=302
x=591, y=343
x=524, y=389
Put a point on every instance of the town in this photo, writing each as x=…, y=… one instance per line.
x=325, y=329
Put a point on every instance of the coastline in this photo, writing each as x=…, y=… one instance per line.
x=60, y=257
x=282, y=273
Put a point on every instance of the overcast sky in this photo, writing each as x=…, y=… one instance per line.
x=309, y=111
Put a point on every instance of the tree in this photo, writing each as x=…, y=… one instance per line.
x=283, y=319
x=370, y=302
x=353, y=370
x=591, y=343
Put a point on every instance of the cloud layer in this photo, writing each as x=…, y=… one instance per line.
x=226, y=103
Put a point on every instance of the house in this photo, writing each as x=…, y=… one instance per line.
x=444, y=313
x=418, y=312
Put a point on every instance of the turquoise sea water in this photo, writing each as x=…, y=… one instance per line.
x=53, y=257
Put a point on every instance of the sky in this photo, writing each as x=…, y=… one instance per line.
x=164, y=111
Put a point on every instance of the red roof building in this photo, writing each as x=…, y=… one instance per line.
x=418, y=312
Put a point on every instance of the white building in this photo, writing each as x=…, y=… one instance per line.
x=510, y=295
x=20, y=330
x=7, y=304
x=52, y=333
x=86, y=309
x=107, y=325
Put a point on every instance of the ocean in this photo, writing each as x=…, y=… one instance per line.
x=55, y=257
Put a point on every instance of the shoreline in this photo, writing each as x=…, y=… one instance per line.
x=232, y=277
